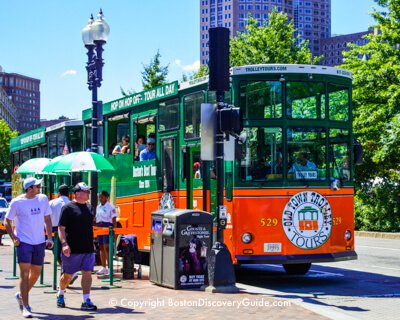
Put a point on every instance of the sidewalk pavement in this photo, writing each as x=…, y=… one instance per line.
x=140, y=299
x=381, y=235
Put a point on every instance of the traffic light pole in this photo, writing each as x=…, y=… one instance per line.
x=219, y=141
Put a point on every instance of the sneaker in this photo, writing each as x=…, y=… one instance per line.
x=26, y=313
x=19, y=301
x=102, y=271
x=74, y=277
x=88, y=306
x=60, y=301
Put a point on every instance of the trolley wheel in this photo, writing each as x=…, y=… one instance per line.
x=297, y=268
x=145, y=258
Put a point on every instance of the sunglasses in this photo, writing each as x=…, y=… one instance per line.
x=151, y=144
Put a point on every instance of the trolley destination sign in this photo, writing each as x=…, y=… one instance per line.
x=28, y=139
x=143, y=97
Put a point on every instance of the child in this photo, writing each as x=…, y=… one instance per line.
x=105, y=217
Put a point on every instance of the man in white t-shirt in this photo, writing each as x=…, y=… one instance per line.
x=105, y=217
x=55, y=206
x=29, y=212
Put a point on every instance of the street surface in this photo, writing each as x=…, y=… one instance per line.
x=140, y=299
x=367, y=288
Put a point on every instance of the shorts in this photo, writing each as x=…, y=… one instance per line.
x=103, y=239
x=29, y=253
x=77, y=262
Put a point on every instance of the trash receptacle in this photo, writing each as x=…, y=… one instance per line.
x=127, y=248
x=180, y=243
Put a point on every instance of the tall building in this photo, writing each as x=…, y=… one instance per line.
x=311, y=18
x=47, y=123
x=24, y=92
x=7, y=110
x=333, y=47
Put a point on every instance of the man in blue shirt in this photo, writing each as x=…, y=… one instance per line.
x=302, y=163
x=149, y=153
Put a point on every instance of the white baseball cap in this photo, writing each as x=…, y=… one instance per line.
x=31, y=181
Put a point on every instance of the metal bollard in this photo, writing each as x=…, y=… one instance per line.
x=111, y=259
x=14, y=276
x=55, y=262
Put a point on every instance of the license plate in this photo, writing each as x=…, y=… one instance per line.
x=273, y=247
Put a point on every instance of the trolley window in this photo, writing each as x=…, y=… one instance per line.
x=305, y=100
x=192, y=105
x=261, y=99
x=306, y=153
x=340, y=162
x=168, y=115
x=168, y=151
x=338, y=102
x=262, y=155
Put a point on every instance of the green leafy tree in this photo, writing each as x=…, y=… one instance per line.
x=376, y=100
x=5, y=159
x=273, y=41
x=154, y=74
x=203, y=71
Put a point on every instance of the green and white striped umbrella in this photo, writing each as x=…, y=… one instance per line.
x=33, y=166
x=82, y=161
x=48, y=169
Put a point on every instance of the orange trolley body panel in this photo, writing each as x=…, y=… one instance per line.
x=288, y=231
x=316, y=234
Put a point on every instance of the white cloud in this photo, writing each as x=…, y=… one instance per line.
x=69, y=73
x=188, y=67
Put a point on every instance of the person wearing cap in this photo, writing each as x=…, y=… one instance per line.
x=76, y=235
x=105, y=217
x=29, y=212
x=149, y=153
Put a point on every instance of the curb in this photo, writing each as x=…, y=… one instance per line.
x=381, y=235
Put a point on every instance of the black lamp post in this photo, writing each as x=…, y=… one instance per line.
x=94, y=36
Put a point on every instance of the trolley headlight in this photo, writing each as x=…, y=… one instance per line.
x=247, y=237
x=347, y=235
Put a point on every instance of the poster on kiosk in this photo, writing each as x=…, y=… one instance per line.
x=194, y=244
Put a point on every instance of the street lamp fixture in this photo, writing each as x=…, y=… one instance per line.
x=94, y=36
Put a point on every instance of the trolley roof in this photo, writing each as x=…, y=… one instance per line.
x=290, y=68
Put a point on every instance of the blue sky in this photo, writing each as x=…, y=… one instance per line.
x=42, y=39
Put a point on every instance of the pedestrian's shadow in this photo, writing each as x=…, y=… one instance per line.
x=7, y=287
x=119, y=310
x=90, y=315
x=48, y=316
